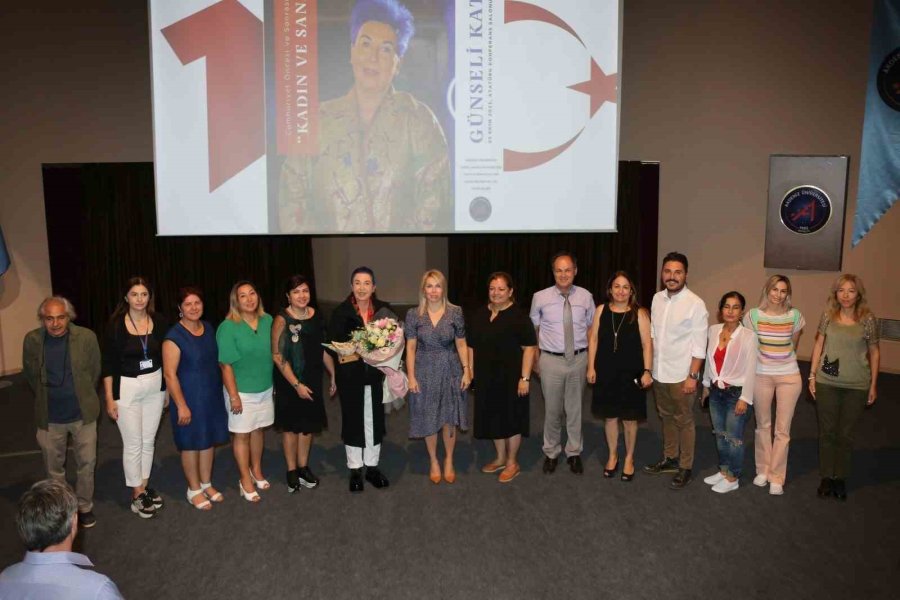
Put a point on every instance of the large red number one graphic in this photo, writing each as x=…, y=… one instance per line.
x=231, y=39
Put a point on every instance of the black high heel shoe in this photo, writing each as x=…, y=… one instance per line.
x=610, y=473
x=627, y=476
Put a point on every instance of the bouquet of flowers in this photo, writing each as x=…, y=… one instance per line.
x=380, y=343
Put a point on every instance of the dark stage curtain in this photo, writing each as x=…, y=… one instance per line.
x=101, y=228
x=633, y=248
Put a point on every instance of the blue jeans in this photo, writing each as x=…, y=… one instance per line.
x=728, y=429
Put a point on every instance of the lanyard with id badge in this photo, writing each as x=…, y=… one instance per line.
x=147, y=363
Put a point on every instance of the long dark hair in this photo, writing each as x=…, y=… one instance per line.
x=122, y=306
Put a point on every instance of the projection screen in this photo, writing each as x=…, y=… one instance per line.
x=385, y=116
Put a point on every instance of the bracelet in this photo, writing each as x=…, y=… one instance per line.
x=525, y=379
x=811, y=377
x=647, y=371
x=465, y=366
x=297, y=385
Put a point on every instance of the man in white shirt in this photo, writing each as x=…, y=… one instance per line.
x=678, y=325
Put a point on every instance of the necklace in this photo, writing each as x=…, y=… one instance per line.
x=725, y=336
x=297, y=314
x=612, y=317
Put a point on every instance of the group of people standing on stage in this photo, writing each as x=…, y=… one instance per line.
x=750, y=362
x=257, y=370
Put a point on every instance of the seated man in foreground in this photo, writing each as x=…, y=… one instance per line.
x=47, y=522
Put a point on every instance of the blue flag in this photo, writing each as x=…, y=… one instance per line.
x=4, y=255
x=879, y=168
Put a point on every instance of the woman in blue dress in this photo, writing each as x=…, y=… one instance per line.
x=437, y=362
x=194, y=381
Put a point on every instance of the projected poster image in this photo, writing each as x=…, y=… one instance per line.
x=377, y=158
x=383, y=116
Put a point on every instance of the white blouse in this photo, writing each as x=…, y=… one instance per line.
x=739, y=366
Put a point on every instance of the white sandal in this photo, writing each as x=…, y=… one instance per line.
x=217, y=497
x=261, y=484
x=191, y=494
x=248, y=496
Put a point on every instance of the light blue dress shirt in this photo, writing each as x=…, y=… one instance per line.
x=547, y=313
x=54, y=576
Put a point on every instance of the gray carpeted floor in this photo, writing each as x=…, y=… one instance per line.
x=557, y=536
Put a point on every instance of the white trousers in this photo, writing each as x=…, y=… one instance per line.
x=140, y=409
x=368, y=456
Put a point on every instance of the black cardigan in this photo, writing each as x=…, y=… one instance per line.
x=352, y=377
x=114, y=346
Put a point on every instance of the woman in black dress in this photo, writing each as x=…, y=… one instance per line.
x=503, y=344
x=620, y=356
x=298, y=332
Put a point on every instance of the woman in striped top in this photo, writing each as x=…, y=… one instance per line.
x=777, y=325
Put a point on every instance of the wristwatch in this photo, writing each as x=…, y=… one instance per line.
x=525, y=379
x=695, y=376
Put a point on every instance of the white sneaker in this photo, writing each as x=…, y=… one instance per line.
x=760, y=480
x=725, y=486
x=714, y=479
x=776, y=489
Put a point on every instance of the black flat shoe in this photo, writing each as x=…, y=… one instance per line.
x=681, y=479
x=575, y=464
x=666, y=465
x=627, y=476
x=356, y=480
x=550, y=464
x=376, y=477
x=826, y=487
x=610, y=473
x=839, y=489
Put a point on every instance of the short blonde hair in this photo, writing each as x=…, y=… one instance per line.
x=234, y=309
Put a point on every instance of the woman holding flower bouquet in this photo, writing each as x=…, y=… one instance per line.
x=359, y=385
x=439, y=373
x=297, y=336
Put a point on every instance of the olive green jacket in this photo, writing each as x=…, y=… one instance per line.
x=84, y=354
